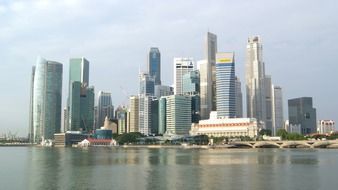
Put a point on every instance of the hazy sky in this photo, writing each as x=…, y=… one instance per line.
x=300, y=44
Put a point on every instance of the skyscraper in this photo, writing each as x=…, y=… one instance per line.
x=239, y=98
x=277, y=109
x=208, y=76
x=104, y=108
x=146, y=116
x=163, y=90
x=147, y=84
x=181, y=67
x=31, y=126
x=122, y=119
x=191, y=87
x=178, y=114
x=302, y=112
x=162, y=115
x=268, y=103
x=47, y=93
x=225, y=85
x=255, y=81
x=211, y=49
x=81, y=96
x=134, y=113
x=154, y=64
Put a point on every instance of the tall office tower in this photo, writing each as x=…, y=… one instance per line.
x=239, y=98
x=255, y=83
x=65, y=119
x=122, y=119
x=268, y=102
x=302, y=112
x=277, y=109
x=80, y=97
x=145, y=114
x=31, y=126
x=147, y=84
x=154, y=116
x=191, y=87
x=104, y=108
x=134, y=113
x=87, y=109
x=178, y=114
x=191, y=83
x=162, y=119
x=181, y=67
x=210, y=51
x=162, y=90
x=225, y=85
x=205, y=89
x=154, y=64
x=47, y=95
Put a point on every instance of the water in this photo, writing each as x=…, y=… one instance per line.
x=142, y=168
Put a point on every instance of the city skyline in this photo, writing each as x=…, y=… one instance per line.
x=297, y=47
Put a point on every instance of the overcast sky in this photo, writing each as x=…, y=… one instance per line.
x=300, y=44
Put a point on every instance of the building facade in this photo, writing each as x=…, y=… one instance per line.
x=239, y=98
x=178, y=114
x=277, y=109
x=302, y=112
x=163, y=90
x=326, y=126
x=147, y=84
x=181, y=67
x=205, y=89
x=31, y=103
x=105, y=108
x=154, y=64
x=80, y=103
x=210, y=51
x=255, y=80
x=134, y=113
x=225, y=127
x=225, y=85
x=47, y=94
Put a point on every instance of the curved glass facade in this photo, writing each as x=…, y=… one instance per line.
x=47, y=94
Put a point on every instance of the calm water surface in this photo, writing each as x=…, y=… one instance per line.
x=167, y=168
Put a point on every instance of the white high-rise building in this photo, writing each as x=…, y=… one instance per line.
x=255, y=81
x=181, y=67
x=277, y=109
x=205, y=89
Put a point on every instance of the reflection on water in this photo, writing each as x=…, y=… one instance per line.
x=170, y=168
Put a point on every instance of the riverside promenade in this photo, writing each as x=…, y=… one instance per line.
x=286, y=144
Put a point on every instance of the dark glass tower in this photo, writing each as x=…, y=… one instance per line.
x=154, y=64
x=301, y=112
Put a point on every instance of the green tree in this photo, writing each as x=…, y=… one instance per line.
x=282, y=133
x=128, y=138
x=265, y=132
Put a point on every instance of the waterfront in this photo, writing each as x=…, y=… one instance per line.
x=167, y=168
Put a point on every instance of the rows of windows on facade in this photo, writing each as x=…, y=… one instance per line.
x=207, y=91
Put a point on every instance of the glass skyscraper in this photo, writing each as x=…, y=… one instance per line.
x=104, y=108
x=301, y=111
x=225, y=85
x=154, y=64
x=47, y=93
x=81, y=97
x=147, y=84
